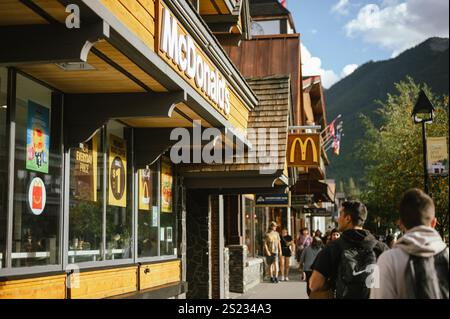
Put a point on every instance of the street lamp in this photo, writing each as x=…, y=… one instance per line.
x=423, y=113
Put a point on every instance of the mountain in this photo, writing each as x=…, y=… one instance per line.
x=357, y=93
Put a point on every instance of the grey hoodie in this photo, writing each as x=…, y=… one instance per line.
x=420, y=241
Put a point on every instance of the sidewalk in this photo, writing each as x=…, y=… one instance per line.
x=292, y=289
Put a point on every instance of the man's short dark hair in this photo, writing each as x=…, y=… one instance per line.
x=357, y=211
x=416, y=208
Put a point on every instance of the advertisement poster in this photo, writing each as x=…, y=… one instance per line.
x=37, y=196
x=145, y=189
x=155, y=216
x=85, y=172
x=38, y=138
x=437, y=155
x=166, y=187
x=117, y=195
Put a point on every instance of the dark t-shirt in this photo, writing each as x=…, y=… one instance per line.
x=284, y=246
x=328, y=259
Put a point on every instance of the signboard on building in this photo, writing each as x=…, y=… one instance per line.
x=183, y=54
x=437, y=153
x=273, y=200
x=317, y=212
x=303, y=150
x=301, y=200
x=117, y=172
x=38, y=138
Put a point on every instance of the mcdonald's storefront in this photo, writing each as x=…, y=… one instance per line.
x=91, y=206
x=312, y=190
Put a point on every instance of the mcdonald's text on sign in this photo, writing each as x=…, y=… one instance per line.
x=303, y=150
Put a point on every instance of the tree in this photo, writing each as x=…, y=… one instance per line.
x=392, y=155
x=352, y=191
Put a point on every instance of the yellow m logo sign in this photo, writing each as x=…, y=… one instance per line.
x=303, y=149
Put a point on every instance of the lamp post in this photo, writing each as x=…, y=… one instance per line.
x=423, y=113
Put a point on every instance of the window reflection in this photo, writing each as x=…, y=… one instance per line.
x=86, y=201
x=38, y=182
x=3, y=164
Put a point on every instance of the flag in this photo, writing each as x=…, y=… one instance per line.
x=337, y=143
x=283, y=3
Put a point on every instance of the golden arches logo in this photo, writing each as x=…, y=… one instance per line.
x=303, y=148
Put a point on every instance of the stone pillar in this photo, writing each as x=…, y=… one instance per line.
x=238, y=256
x=217, y=246
x=198, y=223
x=226, y=273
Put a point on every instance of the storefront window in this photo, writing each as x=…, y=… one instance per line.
x=148, y=211
x=86, y=201
x=3, y=164
x=167, y=218
x=37, y=173
x=119, y=210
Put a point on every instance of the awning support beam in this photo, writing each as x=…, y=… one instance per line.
x=85, y=113
x=49, y=43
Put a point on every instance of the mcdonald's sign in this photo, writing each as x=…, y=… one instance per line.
x=303, y=150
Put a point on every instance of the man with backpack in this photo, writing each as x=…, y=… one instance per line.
x=418, y=266
x=347, y=265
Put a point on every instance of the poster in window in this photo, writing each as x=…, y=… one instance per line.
x=37, y=196
x=166, y=187
x=155, y=216
x=145, y=189
x=117, y=194
x=169, y=234
x=85, y=171
x=38, y=138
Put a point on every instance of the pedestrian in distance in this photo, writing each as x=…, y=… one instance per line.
x=303, y=241
x=335, y=234
x=344, y=265
x=286, y=253
x=272, y=249
x=418, y=266
x=307, y=259
x=391, y=240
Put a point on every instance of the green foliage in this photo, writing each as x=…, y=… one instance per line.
x=426, y=63
x=352, y=191
x=393, y=155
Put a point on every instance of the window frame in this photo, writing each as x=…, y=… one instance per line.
x=63, y=265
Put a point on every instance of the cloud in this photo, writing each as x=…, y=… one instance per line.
x=397, y=26
x=313, y=66
x=341, y=7
x=348, y=69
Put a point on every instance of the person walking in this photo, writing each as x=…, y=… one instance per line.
x=335, y=234
x=343, y=266
x=272, y=249
x=391, y=240
x=307, y=259
x=303, y=241
x=418, y=266
x=286, y=253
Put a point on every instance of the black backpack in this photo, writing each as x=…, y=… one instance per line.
x=427, y=278
x=353, y=271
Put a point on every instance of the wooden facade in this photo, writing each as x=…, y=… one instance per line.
x=272, y=55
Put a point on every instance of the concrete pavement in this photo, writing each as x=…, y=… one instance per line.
x=292, y=289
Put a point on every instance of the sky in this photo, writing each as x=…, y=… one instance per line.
x=339, y=35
